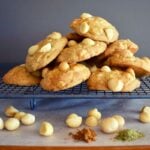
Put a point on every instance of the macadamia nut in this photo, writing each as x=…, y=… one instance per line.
x=88, y=41
x=1, y=124
x=19, y=115
x=46, y=48
x=115, y=85
x=109, y=33
x=106, y=69
x=46, y=129
x=33, y=49
x=12, y=124
x=94, y=112
x=109, y=125
x=85, y=15
x=120, y=119
x=91, y=121
x=73, y=121
x=55, y=35
x=64, y=66
x=28, y=119
x=146, y=109
x=144, y=117
x=84, y=27
x=72, y=43
x=10, y=111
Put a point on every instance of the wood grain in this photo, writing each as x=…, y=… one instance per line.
x=74, y=148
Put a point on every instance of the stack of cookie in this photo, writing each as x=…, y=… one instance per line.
x=93, y=53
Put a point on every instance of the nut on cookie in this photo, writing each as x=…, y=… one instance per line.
x=44, y=52
x=64, y=76
x=113, y=79
x=77, y=52
x=125, y=59
x=95, y=27
x=118, y=45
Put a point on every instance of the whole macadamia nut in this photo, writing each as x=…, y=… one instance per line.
x=28, y=119
x=46, y=129
x=109, y=125
x=120, y=119
x=12, y=124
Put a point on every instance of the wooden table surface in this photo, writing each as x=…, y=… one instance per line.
x=74, y=148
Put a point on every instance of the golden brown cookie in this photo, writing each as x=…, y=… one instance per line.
x=64, y=76
x=77, y=52
x=118, y=45
x=94, y=27
x=45, y=51
x=115, y=80
x=74, y=36
x=20, y=76
x=125, y=59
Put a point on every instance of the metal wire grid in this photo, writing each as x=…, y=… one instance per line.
x=80, y=91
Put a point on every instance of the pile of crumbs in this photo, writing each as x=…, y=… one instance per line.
x=85, y=134
x=129, y=135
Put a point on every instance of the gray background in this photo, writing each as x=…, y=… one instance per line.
x=24, y=22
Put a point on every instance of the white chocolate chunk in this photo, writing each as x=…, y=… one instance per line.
x=120, y=119
x=55, y=35
x=46, y=129
x=33, y=49
x=84, y=27
x=94, y=112
x=1, y=124
x=91, y=121
x=106, y=69
x=109, y=33
x=115, y=85
x=109, y=125
x=12, y=124
x=88, y=41
x=73, y=121
x=28, y=119
x=10, y=111
x=46, y=48
x=85, y=15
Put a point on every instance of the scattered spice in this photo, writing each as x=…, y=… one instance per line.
x=129, y=135
x=85, y=134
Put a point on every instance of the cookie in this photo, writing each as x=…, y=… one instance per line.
x=45, y=51
x=115, y=80
x=74, y=36
x=20, y=76
x=125, y=59
x=95, y=27
x=64, y=76
x=118, y=45
x=77, y=52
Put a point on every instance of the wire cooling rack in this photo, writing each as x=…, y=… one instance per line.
x=80, y=91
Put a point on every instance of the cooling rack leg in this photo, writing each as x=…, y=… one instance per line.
x=32, y=104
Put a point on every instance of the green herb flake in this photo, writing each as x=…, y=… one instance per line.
x=129, y=135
